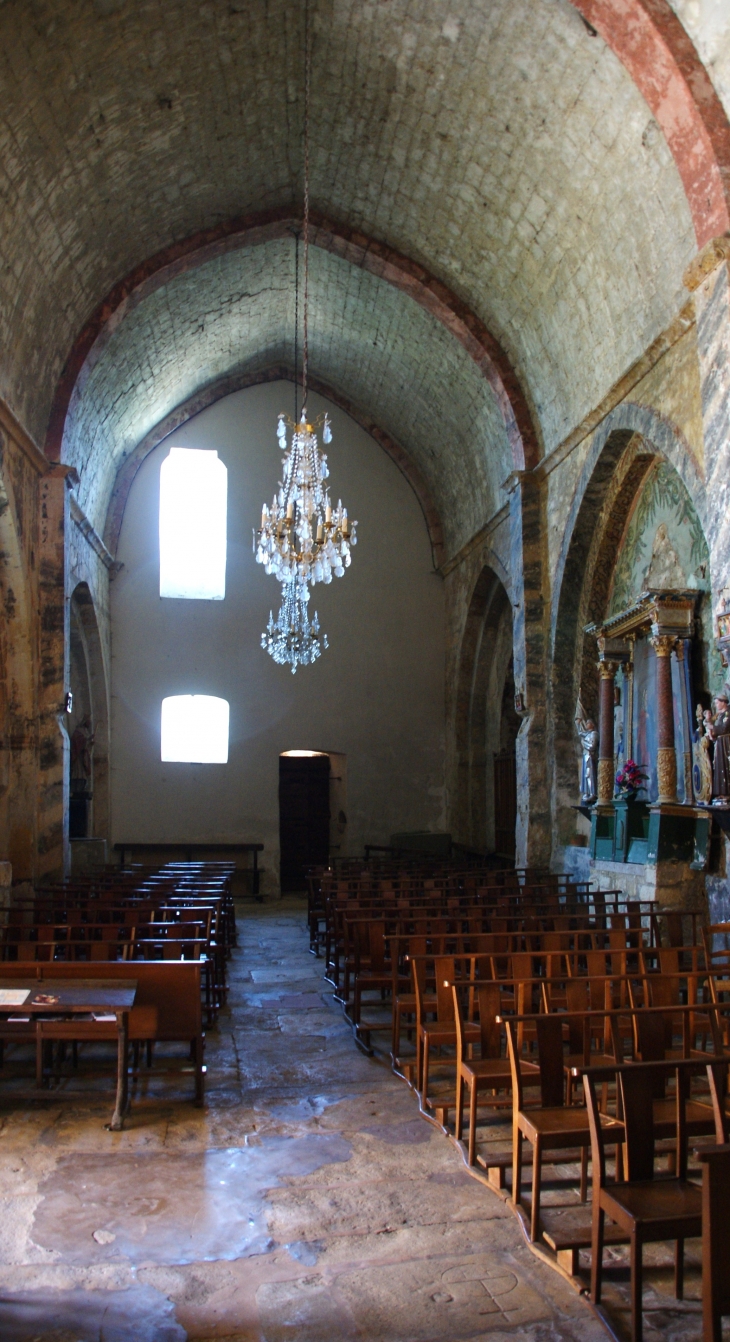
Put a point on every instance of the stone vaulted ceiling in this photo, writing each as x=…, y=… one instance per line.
x=497, y=143
x=235, y=316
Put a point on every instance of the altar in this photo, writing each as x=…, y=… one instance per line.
x=653, y=841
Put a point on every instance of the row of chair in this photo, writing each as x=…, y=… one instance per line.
x=604, y=1035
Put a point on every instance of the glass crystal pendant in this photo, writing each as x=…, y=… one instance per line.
x=291, y=639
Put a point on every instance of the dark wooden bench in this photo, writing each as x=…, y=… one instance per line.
x=167, y=1006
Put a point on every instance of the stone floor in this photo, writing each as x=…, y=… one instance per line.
x=307, y=1201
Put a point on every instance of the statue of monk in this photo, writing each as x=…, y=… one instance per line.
x=721, y=761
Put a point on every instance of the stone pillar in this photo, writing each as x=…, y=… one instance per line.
x=666, y=758
x=607, y=671
x=708, y=277
x=527, y=547
x=53, y=743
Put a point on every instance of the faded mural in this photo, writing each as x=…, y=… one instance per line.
x=664, y=546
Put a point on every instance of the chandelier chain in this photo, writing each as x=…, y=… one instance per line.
x=307, y=81
x=303, y=539
x=296, y=327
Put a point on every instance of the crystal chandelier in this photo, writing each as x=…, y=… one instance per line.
x=302, y=536
x=302, y=540
x=290, y=638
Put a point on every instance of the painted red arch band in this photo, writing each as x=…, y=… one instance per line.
x=359, y=250
x=654, y=48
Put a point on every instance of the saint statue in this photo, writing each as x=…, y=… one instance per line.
x=702, y=756
x=721, y=763
x=82, y=744
x=588, y=735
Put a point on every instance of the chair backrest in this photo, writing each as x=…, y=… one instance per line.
x=444, y=968
x=675, y=930
x=577, y=1000
x=637, y=1089
x=549, y=1030
x=596, y=963
x=377, y=947
x=489, y=1002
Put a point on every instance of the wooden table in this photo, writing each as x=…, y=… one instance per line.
x=78, y=997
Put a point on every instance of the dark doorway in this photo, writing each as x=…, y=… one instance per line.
x=304, y=815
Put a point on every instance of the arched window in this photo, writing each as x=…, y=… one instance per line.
x=194, y=729
x=193, y=493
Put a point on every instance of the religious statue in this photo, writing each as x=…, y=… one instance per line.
x=702, y=756
x=82, y=744
x=588, y=736
x=720, y=731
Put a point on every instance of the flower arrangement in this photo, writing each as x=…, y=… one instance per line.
x=631, y=777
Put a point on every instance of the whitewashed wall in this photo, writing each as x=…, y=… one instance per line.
x=377, y=694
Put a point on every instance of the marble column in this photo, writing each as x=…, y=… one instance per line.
x=607, y=672
x=666, y=758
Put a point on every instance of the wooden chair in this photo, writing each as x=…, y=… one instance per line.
x=653, y=1036
x=489, y=1072
x=583, y=1033
x=715, y=1240
x=404, y=1003
x=372, y=970
x=553, y=1126
x=440, y=1033
x=647, y=1209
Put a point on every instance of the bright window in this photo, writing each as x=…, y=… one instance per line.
x=194, y=729
x=193, y=491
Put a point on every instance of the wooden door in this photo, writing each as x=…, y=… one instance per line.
x=505, y=802
x=304, y=816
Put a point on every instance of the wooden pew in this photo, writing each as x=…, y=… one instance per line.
x=167, y=1007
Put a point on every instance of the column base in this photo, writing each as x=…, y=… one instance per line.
x=678, y=833
x=629, y=832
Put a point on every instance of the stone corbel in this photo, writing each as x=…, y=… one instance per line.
x=708, y=259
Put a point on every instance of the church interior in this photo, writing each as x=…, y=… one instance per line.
x=364, y=670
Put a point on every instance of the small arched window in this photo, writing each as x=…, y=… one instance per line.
x=194, y=729
x=193, y=494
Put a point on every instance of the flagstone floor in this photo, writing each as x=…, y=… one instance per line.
x=308, y=1201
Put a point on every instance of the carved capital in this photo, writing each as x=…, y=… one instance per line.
x=607, y=670
x=663, y=644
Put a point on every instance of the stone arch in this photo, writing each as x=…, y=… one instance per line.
x=630, y=440
x=484, y=667
x=366, y=253
x=657, y=52
x=89, y=682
